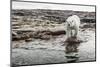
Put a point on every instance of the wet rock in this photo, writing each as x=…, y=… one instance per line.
x=43, y=34
x=28, y=40
x=14, y=33
x=46, y=37
x=59, y=32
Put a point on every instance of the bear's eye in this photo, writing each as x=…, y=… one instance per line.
x=68, y=24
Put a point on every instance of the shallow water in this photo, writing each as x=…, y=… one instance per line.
x=53, y=51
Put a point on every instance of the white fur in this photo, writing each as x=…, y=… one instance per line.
x=72, y=26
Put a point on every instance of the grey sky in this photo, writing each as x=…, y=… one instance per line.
x=31, y=5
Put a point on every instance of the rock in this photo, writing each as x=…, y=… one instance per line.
x=45, y=37
x=14, y=33
x=28, y=40
x=43, y=34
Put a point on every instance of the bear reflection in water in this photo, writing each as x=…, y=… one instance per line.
x=71, y=49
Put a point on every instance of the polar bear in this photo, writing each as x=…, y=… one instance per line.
x=72, y=26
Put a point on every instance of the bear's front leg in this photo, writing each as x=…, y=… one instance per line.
x=68, y=33
x=76, y=32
